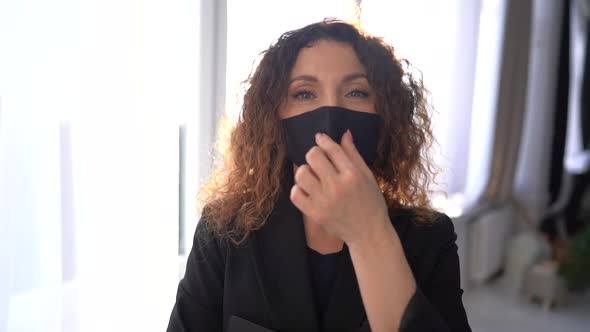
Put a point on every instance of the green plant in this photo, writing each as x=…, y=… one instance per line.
x=576, y=269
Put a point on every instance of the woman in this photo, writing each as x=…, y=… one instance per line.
x=320, y=219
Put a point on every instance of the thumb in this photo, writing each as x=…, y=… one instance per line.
x=352, y=152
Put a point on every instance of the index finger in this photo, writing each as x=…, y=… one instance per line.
x=334, y=151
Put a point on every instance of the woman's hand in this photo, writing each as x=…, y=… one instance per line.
x=338, y=190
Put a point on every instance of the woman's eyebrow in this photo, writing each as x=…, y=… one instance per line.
x=354, y=76
x=313, y=79
x=307, y=78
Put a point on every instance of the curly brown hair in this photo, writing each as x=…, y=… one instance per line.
x=241, y=194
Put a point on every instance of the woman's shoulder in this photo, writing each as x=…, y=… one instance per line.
x=208, y=242
x=421, y=225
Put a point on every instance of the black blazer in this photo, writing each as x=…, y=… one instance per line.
x=264, y=284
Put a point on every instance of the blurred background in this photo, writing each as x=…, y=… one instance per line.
x=109, y=110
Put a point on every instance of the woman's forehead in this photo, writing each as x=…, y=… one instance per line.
x=327, y=58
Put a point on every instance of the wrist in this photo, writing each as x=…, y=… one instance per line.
x=377, y=233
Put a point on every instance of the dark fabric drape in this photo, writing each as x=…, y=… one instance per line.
x=580, y=182
x=585, y=98
x=561, y=107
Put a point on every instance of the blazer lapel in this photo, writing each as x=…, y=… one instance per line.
x=280, y=258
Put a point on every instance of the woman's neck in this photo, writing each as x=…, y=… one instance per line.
x=320, y=240
x=317, y=238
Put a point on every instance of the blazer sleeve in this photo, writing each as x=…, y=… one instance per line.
x=199, y=297
x=437, y=305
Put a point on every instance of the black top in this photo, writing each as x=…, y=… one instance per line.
x=324, y=269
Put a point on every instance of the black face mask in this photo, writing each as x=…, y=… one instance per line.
x=332, y=121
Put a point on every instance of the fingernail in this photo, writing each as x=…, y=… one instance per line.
x=319, y=136
x=350, y=133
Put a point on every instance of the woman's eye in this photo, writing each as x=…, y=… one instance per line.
x=357, y=93
x=303, y=95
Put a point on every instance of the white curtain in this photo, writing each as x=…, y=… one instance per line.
x=577, y=160
x=531, y=181
x=440, y=39
x=92, y=94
